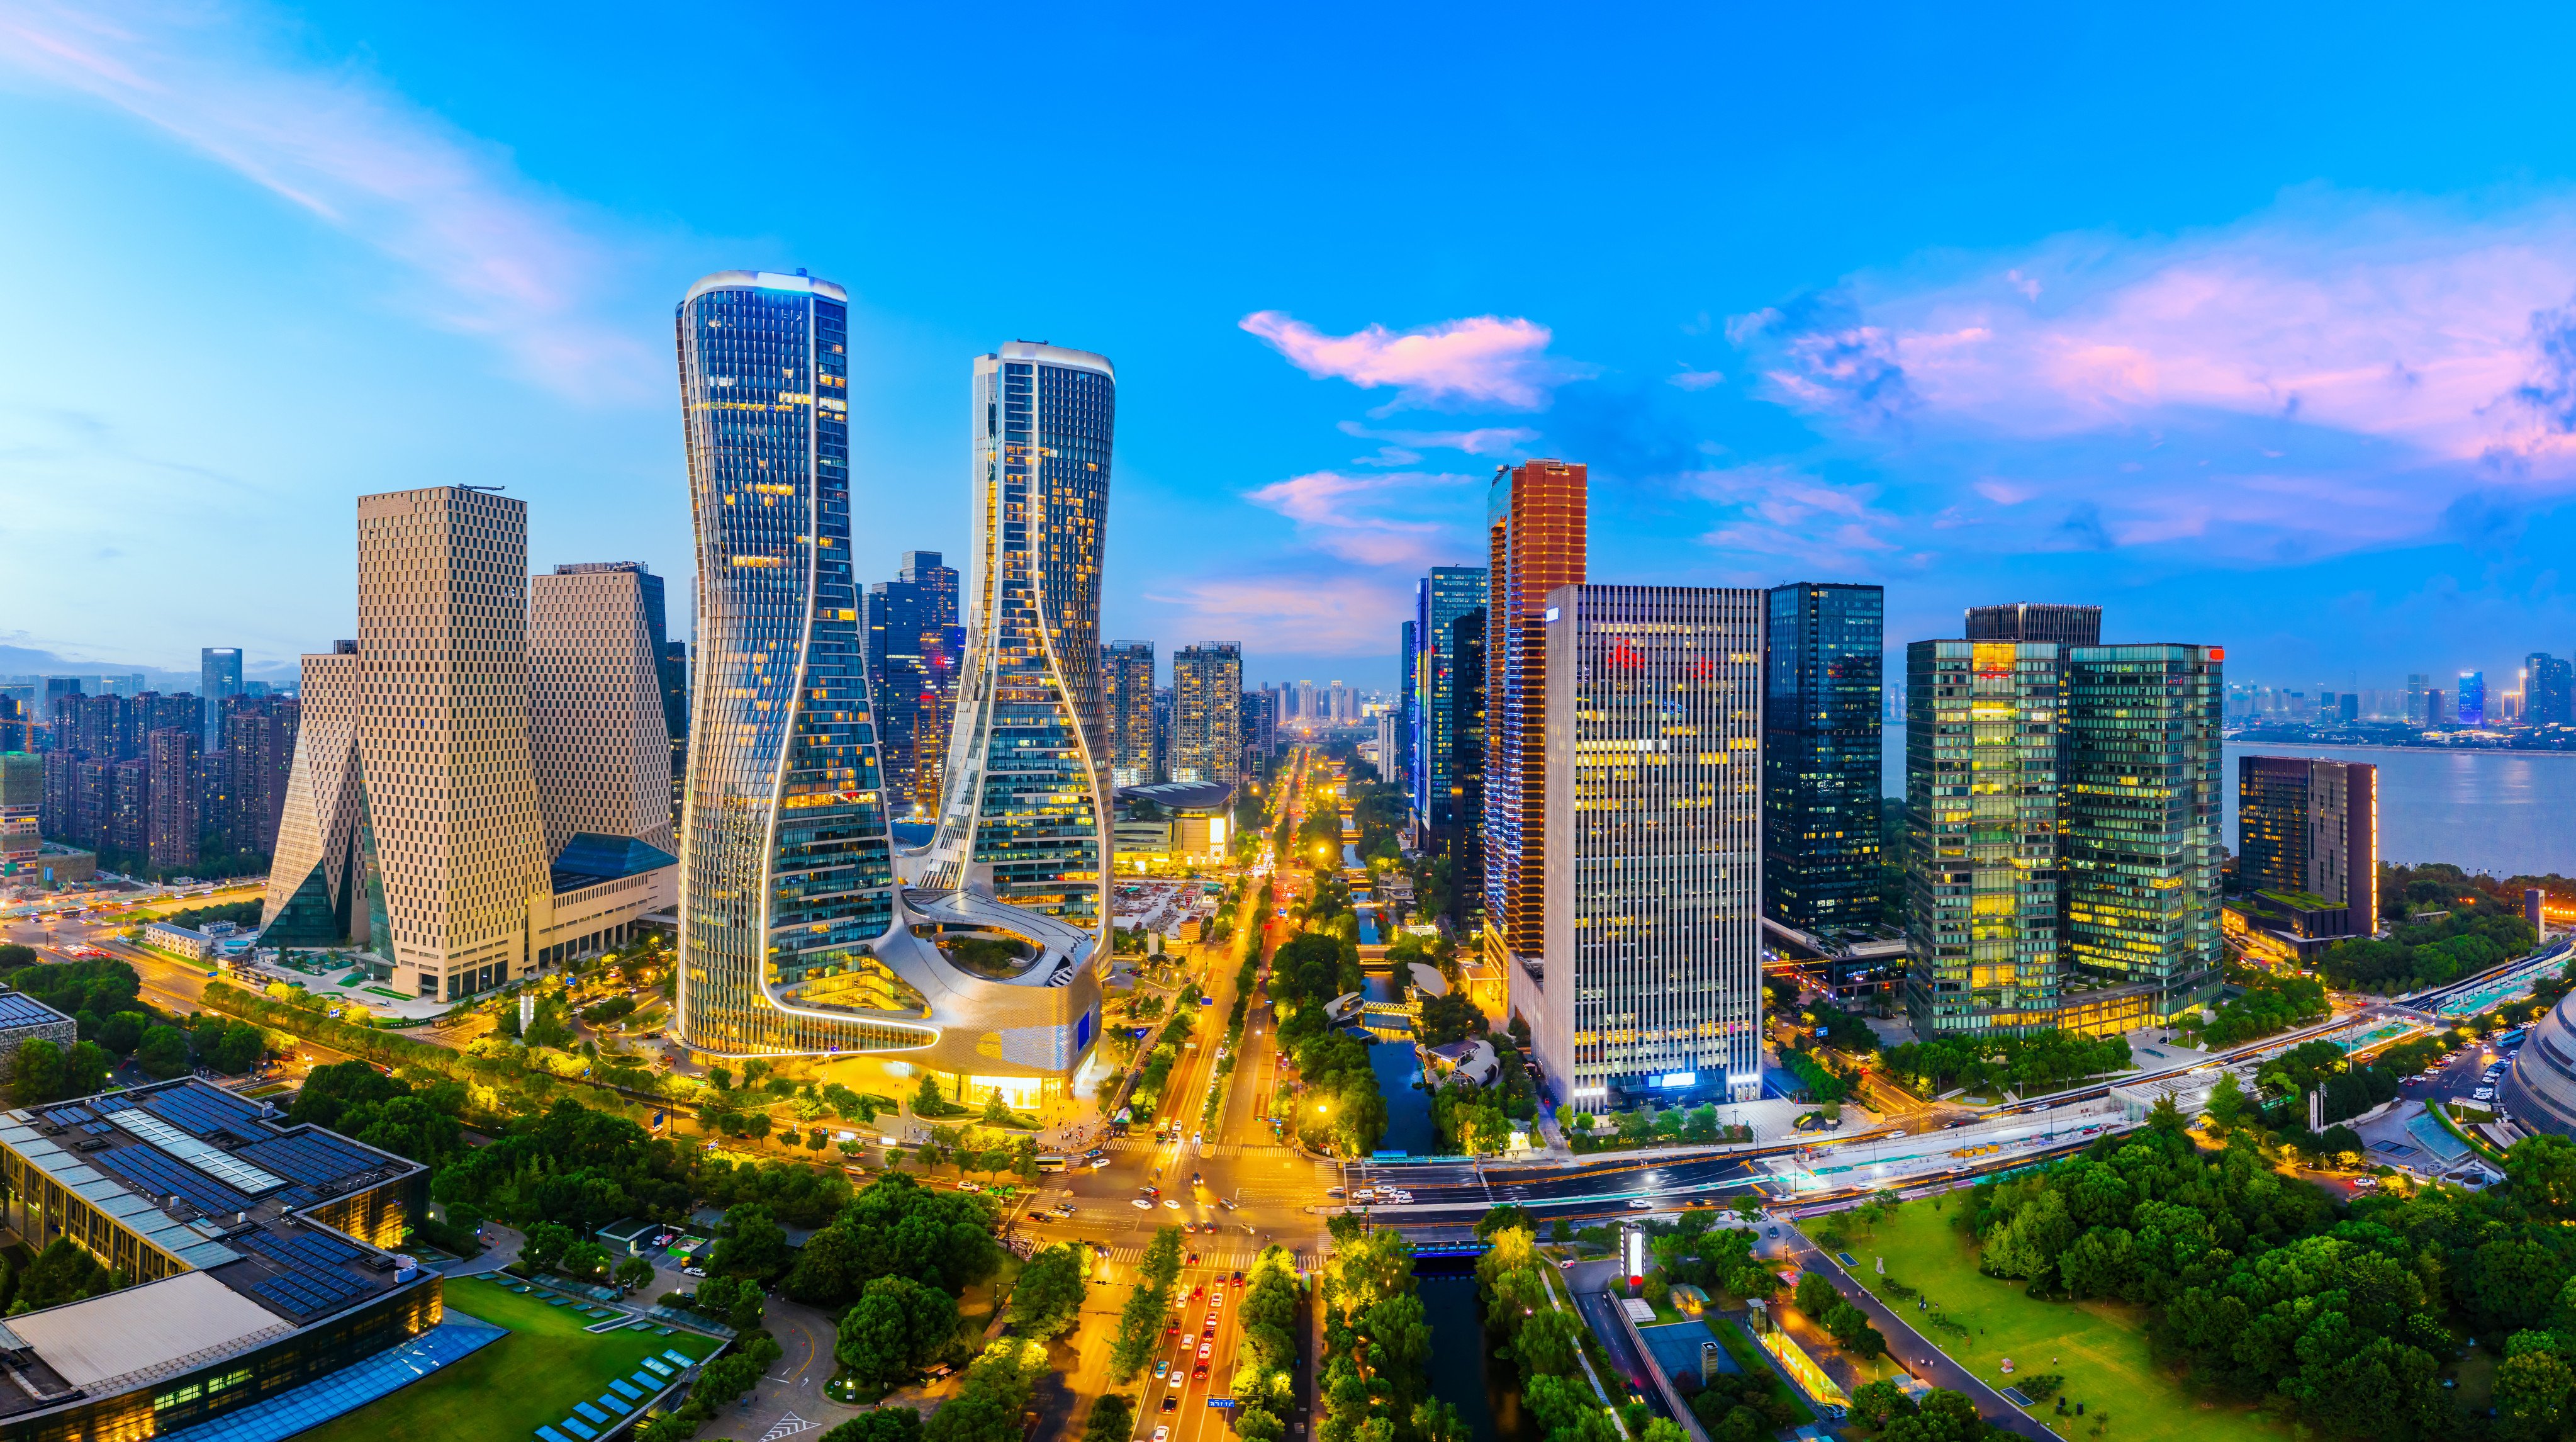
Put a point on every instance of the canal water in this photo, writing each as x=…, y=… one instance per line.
x=1464, y=1371
x=1408, y=1108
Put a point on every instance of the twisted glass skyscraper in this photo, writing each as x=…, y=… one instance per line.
x=787, y=869
x=796, y=937
x=1026, y=820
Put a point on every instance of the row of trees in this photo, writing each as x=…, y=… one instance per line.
x=2464, y=940
x=1543, y=1337
x=1140, y=1322
x=2267, y=1005
x=1341, y=1108
x=1375, y=1380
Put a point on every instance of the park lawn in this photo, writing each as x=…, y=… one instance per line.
x=2099, y=1347
x=515, y=1384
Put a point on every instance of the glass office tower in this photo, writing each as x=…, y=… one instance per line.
x=2139, y=774
x=1822, y=657
x=1439, y=599
x=786, y=868
x=1026, y=819
x=1981, y=811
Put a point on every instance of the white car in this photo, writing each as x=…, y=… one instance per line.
x=1172, y=1203
x=1143, y=1205
x=2483, y=1094
x=1163, y=1434
x=1640, y=1204
x=1096, y=1163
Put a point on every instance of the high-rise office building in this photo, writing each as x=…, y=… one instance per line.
x=1395, y=746
x=2548, y=691
x=674, y=676
x=1207, y=713
x=443, y=734
x=1439, y=599
x=2310, y=829
x=14, y=725
x=1127, y=690
x=595, y=731
x=1981, y=816
x=2437, y=708
x=172, y=830
x=1651, y=982
x=1822, y=657
x=787, y=868
x=1303, y=707
x=912, y=675
x=1466, y=769
x=2027, y=621
x=2417, y=683
x=1535, y=541
x=2140, y=787
x=2471, y=708
x=219, y=669
x=1027, y=806
x=22, y=803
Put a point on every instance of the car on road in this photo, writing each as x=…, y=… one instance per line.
x=1174, y=1329
x=1199, y=1372
x=1175, y=1206
x=1096, y=1163
x=1171, y=1402
x=1640, y=1204
x=1161, y=1366
x=1143, y=1205
x=1163, y=1434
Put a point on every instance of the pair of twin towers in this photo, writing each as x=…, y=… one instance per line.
x=806, y=929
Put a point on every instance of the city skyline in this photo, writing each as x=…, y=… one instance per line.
x=1756, y=400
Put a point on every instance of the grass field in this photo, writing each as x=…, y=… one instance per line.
x=505, y=1391
x=2099, y=1347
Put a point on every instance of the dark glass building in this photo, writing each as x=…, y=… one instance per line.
x=2309, y=830
x=1823, y=653
x=1466, y=769
x=910, y=674
x=2030, y=621
x=1439, y=599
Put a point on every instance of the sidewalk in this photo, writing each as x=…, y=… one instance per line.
x=1910, y=1348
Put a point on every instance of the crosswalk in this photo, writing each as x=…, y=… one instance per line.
x=787, y=1426
x=1220, y=1261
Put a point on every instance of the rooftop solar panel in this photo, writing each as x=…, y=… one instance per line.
x=311, y=1158
x=204, y=1156
x=207, y=1111
x=20, y=1009
x=149, y=1170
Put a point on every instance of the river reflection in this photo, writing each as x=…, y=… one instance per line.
x=1464, y=1371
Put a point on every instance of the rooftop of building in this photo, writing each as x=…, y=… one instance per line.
x=1208, y=797
x=589, y=859
x=217, y=1181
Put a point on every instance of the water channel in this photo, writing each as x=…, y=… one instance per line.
x=1464, y=1371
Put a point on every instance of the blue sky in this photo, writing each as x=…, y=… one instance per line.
x=2256, y=329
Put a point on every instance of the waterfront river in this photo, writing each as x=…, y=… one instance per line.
x=2507, y=813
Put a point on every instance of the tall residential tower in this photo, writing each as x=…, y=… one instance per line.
x=1820, y=755
x=1535, y=539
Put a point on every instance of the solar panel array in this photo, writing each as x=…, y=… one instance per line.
x=79, y=1119
x=311, y=1157
x=207, y=1112
x=313, y=1281
x=19, y=1009
x=159, y=1174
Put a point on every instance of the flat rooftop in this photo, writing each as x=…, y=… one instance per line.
x=216, y=1181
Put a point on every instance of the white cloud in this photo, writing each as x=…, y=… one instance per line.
x=1484, y=360
x=1378, y=520
x=488, y=253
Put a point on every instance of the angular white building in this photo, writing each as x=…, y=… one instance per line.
x=1649, y=982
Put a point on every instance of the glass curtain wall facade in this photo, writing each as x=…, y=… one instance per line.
x=786, y=865
x=1026, y=816
x=1981, y=815
x=1439, y=599
x=2311, y=827
x=2140, y=780
x=1127, y=676
x=1653, y=871
x=1207, y=713
x=1820, y=755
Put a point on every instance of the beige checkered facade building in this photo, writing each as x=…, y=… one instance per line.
x=451, y=786
x=603, y=760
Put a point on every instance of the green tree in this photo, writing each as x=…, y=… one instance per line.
x=1140, y=1321
x=544, y=1245
x=881, y=1424
x=122, y=1032
x=751, y=1244
x=1112, y=1417
x=634, y=1272
x=163, y=1052
x=85, y=1069
x=36, y=1072
x=897, y=1326
x=1049, y=1296
x=926, y=1101
x=586, y=1260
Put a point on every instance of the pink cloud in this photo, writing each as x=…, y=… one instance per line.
x=1483, y=441
x=1378, y=520
x=1301, y=615
x=2402, y=321
x=1484, y=360
x=486, y=253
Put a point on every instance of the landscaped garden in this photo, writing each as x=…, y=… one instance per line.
x=2098, y=1347
x=528, y=1379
